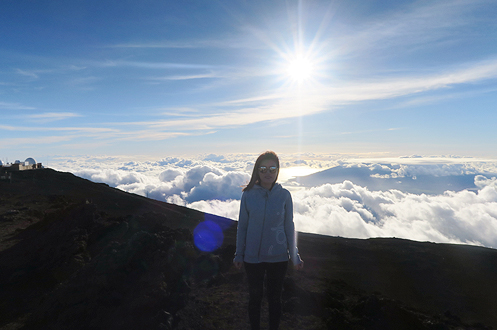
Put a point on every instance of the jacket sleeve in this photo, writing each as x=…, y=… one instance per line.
x=291, y=235
x=241, y=232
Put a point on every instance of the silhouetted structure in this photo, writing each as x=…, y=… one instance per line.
x=28, y=164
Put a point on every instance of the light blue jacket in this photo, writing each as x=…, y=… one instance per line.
x=266, y=232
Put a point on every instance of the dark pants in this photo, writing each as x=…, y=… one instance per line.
x=275, y=272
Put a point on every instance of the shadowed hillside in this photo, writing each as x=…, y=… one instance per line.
x=78, y=255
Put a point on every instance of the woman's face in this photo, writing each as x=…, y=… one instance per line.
x=267, y=179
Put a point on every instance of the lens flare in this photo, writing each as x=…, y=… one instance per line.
x=208, y=236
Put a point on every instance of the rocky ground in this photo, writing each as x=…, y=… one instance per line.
x=80, y=255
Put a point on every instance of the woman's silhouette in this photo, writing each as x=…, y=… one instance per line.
x=266, y=238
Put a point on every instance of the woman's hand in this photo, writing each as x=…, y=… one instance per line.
x=299, y=266
x=238, y=265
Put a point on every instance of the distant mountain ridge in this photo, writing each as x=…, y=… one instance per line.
x=77, y=254
x=381, y=179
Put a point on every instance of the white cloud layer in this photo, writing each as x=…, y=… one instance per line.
x=213, y=184
x=353, y=211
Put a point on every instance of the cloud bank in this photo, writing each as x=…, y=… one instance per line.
x=213, y=184
x=350, y=210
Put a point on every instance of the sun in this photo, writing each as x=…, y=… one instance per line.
x=299, y=69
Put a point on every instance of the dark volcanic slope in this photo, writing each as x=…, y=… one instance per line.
x=76, y=254
x=30, y=188
x=438, y=277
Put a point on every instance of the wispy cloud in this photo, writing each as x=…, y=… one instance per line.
x=58, y=129
x=84, y=80
x=234, y=118
x=167, y=44
x=411, y=27
x=368, y=131
x=272, y=106
x=220, y=42
x=153, y=65
x=180, y=112
x=186, y=77
x=384, y=88
x=148, y=135
x=85, y=145
x=289, y=105
x=250, y=100
x=52, y=116
x=28, y=142
x=32, y=74
x=14, y=106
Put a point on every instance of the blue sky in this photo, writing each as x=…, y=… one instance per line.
x=378, y=78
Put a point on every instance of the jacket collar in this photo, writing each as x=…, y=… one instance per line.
x=263, y=190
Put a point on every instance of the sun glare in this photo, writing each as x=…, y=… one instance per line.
x=299, y=69
x=287, y=173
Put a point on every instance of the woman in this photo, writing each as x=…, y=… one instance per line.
x=266, y=238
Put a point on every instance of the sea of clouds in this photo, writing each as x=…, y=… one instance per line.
x=332, y=205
